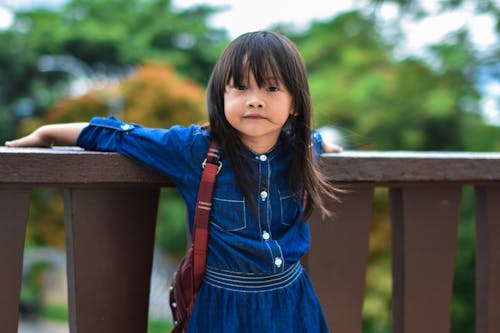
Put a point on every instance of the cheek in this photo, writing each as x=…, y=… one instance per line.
x=230, y=112
x=229, y=100
x=232, y=104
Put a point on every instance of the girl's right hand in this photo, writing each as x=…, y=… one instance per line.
x=50, y=135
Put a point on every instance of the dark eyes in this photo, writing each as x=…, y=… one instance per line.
x=270, y=88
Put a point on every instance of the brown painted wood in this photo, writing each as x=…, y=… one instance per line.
x=488, y=259
x=63, y=166
x=387, y=167
x=110, y=238
x=14, y=207
x=338, y=257
x=424, y=236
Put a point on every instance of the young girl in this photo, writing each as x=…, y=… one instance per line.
x=260, y=114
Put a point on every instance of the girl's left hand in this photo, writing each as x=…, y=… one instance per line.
x=330, y=148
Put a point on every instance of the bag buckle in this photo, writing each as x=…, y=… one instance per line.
x=219, y=165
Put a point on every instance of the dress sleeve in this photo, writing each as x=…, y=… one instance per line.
x=168, y=151
x=316, y=140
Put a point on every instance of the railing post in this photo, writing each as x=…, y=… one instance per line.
x=338, y=257
x=424, y=235
x=14, y=205
x=110, y=239
x=488, y=259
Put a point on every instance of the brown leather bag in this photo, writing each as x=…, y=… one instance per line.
x=189, y=275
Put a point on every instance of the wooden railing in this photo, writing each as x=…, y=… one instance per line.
x=110, y=215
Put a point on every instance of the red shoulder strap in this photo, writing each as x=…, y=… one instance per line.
x=211, y=167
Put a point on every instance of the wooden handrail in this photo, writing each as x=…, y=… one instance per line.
x=69, y=165
x=408, y=166
x=110, y=216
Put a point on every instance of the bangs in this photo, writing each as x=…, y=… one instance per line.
x=264, y=69
x=262, y=56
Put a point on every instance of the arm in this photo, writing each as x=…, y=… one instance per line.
x=50, y=135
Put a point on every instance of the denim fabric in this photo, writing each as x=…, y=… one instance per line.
x=264, y=242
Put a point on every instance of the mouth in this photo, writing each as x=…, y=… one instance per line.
x=253, y=116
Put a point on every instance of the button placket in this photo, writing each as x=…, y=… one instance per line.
x=264, y=168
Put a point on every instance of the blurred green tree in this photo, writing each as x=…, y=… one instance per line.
x=56, y=52
x=382, y=102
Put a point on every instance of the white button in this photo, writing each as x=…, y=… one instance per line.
x=126, y=127
x=263, y=158
x=278, y=262
x=263, y=195
x=266, y=235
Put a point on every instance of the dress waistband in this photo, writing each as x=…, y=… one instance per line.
x=248, y=282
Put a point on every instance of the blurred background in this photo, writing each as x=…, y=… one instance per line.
x=384, y=75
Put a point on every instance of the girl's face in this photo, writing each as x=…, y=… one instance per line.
x=257, y=113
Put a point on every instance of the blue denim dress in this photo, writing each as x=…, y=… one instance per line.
x=254, y=280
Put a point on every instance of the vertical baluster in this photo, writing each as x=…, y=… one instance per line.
x=14, y=207
x=110, y=238
x=338, y=257
x=424, y=236
x=488, y=259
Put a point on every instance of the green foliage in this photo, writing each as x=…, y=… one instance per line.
x=122, y=32
x=55, y=312
x=485, y=139
x=378, y=293
x=96, y=38
x=153, y=95
x=32, y=287
x=386, y=103
x=171, y=228
x=46, y=219
x=155, y=326
x=156, y=96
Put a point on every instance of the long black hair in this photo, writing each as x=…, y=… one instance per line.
x=268, y=55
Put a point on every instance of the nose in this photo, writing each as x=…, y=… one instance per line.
x=255, y=100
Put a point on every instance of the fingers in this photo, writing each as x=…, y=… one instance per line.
x=331, y=148
x=27, y=141
x=14, y=143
